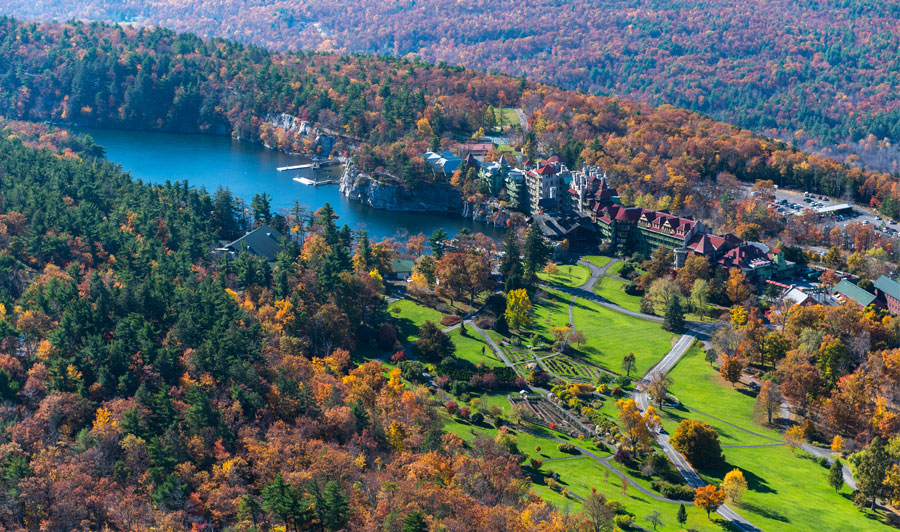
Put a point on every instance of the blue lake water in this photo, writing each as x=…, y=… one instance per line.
x=248, y=169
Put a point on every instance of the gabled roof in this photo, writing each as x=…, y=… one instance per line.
x=402, y=265
x=547, y=169
x=888, y=286
x=851, y=291
x=264, y=242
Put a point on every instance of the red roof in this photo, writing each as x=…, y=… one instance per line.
x=547, y=169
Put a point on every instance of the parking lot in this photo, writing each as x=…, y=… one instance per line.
x=792, y=203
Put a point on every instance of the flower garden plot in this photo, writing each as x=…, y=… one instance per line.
x=571, y=369
x=547, y=414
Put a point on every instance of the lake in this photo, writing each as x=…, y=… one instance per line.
x=247, y=169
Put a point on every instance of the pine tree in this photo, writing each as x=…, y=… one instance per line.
x=836, y=475
x=674, y=317
x=536, y=252
x=414, y=522
x=437, y=242
x=336, y=507
x=681, y=516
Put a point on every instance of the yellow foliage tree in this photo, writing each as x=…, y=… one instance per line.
x=518, y=309
x=396, y=435
x=734, y=485
x=709, y=498
x=837, y=444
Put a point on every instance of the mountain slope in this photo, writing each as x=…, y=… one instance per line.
x=824, y=73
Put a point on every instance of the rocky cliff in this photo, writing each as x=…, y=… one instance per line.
x=380, y=194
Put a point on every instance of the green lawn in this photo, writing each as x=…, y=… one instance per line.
x=552, y=311
x=506, y=116
x=598, y=260
x=611, y=335
x=611, y=290
x=579, y=475
x=469, y=348
x=410, y=317
x=698, y=385
x=787, y=492
x=573, y=275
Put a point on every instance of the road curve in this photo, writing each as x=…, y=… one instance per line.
x=681, y=464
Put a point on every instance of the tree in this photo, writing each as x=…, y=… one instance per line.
x=696, y=268
x=518, y=309
x=662, y=291
x=433, y=344
x=709, y=498
x=654, y=519
x=673, y=320
x=711, y=357
x=438, y=242
x=286, y=503
x=629, y=363
x=681, y=516
x=462, y=274
x=658, y=388
x=414, y=522
x=336, y=507
x=635, y=427
x=699, y=443
x=836, y=475
x=837, y=444
x=768, y=401
x=700, y=296
x=736, y=287
x=734, y=485
x=731, y=369
x=599, y=514
x=871, y=470
x=536, y=252
x=794, y=437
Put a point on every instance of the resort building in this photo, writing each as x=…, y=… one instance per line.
x=263, y=242
x=888, y=292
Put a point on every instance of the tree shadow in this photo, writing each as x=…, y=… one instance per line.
x=765, y=511
x=754, y=482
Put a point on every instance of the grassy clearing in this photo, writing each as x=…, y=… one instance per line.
x=579, y=475
x=598, y=260
x=611, y=335
x=573, y=275
x=469, y=348
x=506, y=116
x=698, y=385
x=611, y=290
x=410, y=317
x=787, y=491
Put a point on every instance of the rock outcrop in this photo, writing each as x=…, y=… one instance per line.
x=382, y=194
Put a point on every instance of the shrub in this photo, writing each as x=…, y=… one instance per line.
x=680, y=492
x=623, y=456
x=567, y=448
x=624, y=521
x=450, y=321
x=478, y=418
x=484, y=322
x=603, y=389
x=622, y=381
x=411, y=370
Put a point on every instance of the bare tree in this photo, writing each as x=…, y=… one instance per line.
x=658, y=388
x=768, y=402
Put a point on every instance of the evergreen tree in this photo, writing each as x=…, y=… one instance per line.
x=681, y=516
x=673, y=320
x=261, y=205
x=414, y=522
x=836, y=475
x=535, y=254
x=438, y=243
x=336, y=507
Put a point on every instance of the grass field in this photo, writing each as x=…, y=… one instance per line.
x=787, y=491
x=506, y=116
x=579, y=475
x=611, y=290
x=598, y=260
x=611, y=335
x=410, y=317
x=573, y=275
x=469, y=348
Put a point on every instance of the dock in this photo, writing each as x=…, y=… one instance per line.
x=315, y=165
x=307, y=181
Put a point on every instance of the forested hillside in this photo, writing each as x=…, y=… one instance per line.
x=388, y=111
x=144, y=388
x=822, y=72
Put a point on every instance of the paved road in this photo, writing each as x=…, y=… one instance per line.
x=681, y=464
x=522, y=119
